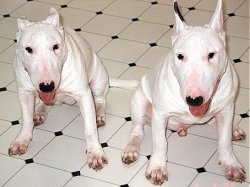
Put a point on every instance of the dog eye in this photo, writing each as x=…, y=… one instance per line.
x=29, y=50
x=55, y=47
x=210, y=55
x=180, y=56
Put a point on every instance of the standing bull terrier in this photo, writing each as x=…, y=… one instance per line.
x=57, y=65
x=194, y=84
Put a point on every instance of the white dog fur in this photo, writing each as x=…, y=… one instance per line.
x=54, y=63
x=194, y=84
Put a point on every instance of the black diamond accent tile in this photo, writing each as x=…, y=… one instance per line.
x=76, y=173
x=171, y=26
x=201, y=170
x=154, y=3
x=99, y=13
x=59, y=133
x=128, y=119
x=114, y=37
x=78, y=29
x=237, y=60
x=29, y=161
x=135, y=19
x=15, y=122
x=153, y=44
x=104, y=145
x=29, y=0
x=132, y=64
x=148, y=157
x=245, y=115
x=64, y=6
x=3, y=89
x=124, y=185
x=15, y=41
x=231, y=14
x=6, y=15
x=191, y=8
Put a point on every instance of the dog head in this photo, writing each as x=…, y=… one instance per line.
x=199, y=59
x=41, y=49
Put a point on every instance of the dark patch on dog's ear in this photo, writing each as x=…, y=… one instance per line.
x=177, y=11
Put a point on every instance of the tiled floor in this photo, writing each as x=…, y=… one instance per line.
x=129, y=35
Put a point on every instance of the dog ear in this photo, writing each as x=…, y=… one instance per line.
x=216, y=22
x=21, y=23
x=53, y=18
x=179, y=21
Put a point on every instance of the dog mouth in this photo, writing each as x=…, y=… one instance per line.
x=201, y=110
x=47, y=98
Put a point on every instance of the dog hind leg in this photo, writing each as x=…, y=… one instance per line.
x=41, y=114
x=99, y=87
x=138, y=107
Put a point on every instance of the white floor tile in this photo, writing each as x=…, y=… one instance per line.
x=129, y=9
x=65, y=153
x=40, y=176
x=9, y=166
x=123, y=50
x=7, y=55
x=192, y=151
x=106, y=25
x=144, y=32
x=6, y=74
x=9, y=101
x=56, y=123
x=33, y=11
x=90, y=5
x=74, y=18
x=88, y=182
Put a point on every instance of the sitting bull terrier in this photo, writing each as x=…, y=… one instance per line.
x=194, y=84
x=55, y=64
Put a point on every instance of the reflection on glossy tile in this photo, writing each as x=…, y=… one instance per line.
x=129, y=36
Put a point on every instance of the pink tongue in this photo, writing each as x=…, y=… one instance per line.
x=199, y=110
x=47, y=98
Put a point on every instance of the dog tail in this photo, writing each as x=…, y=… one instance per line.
x=130, y=84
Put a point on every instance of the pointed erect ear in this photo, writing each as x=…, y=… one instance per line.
x=179, y=21
x=22, y=23
x=53, y=18
x=216, y=22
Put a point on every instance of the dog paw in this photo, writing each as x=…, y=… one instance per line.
x=157, y=174
x=19, y=146
x=39, y=119
x=238, y=134
x=129, y=155
x=100, y=121
x=234, y=173
x=96, y=160
x=182, y=131
x=131, y=151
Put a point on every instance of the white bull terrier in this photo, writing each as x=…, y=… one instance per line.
x=194, y=84
x=57, y=65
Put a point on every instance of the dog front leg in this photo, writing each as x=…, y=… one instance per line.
x=232, y=168
x=95, y=155
x=157, y=167
x=20, y=144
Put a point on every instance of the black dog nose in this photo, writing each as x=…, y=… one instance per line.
x=47, y=87
x=194, y=102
